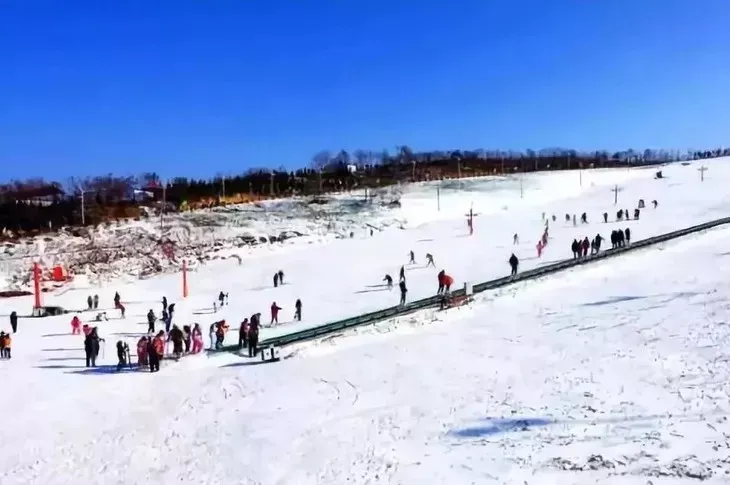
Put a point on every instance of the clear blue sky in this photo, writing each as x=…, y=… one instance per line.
x=197, y=87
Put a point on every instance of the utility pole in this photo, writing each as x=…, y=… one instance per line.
x=271, y=186
x=502, y=164
x=223, y=186
x=615, y=191
x=702, y=170
x=162, y=207
x=83, y=207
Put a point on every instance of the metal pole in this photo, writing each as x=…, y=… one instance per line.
x=223, y=182
x=83, y=210
x=164, y=202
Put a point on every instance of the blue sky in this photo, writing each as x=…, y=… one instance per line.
x=195, y=88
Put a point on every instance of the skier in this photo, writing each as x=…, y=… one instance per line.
x=584, y=218
x=586, y=246
x=176, y=336
x=151, y=319
x=91, y=347
x=412, y=258
x=89, y=302
x=627, y=234
x=539, y=248
x=276, y=280
x=117, y=300
x=243, y=334
x=514, y=263
x=96, y=302
x=574, y=223
x=599, y=240
x=274, y=313
x=281, y=277
x=402, y=273
x=14, y=321
x=637, y=212
x=142, y=355
x=122, y=349
x=221, y=299
x=429, y=260
x=164, y=303
x=253, y=335
x=440, y=277
x=388, y=281
x=75, y=325
x=298, y=310
x=515, y=239
x=654, y=203
x=197, y=339
x=605, y=217
x=403, y=291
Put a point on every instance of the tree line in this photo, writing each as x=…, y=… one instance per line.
x=38, y=205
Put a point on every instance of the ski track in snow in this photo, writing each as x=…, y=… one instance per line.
x=610, y=373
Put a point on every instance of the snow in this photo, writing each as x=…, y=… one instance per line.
x=612, y=373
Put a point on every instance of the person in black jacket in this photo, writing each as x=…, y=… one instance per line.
x=122, y=351
x=14, y=321
x=298, y=310
x=176, y=335
x=403, y=291
x=151, y=318
x=627, y=234
x=253, y=334
x=514, y=263
x=91, y=347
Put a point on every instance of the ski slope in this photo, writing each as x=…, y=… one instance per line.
x=613, y=373
x=343, y=278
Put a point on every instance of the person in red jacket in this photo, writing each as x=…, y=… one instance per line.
x=76, y=325
x=275, y=313
x=448, y=281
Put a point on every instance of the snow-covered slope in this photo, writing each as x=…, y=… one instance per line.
x=614, y=373
x=134, y=249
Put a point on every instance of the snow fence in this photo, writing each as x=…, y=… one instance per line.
x=432, y=302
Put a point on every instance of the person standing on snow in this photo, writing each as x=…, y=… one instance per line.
x=429, y=260
x=197, y=339
x=91, y=347
x=76, y=325
x=402, y=273
x=187, y=338
x=412, y=258
x=403, y=291
x=155, y=351
x=142, y=355
x=388, y=281
x=122, y=350
x=166, y=320
x=164, y=303
x=243, y=334
x=275, y=313
x=211, y=334
x=253, y=335
x=276, y=280
x=514, y=264
x=298, y=310
x=90, y=303
x=440, y=277
x=96, y=302
x=176, y=336
x=627, y=234
x=151, y=319
x=14, y=321
x=281, y=277
x=221, y=299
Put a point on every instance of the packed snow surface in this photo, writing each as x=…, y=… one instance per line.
x=613, y=373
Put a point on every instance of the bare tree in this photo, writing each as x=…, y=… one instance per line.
x=321, y=160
